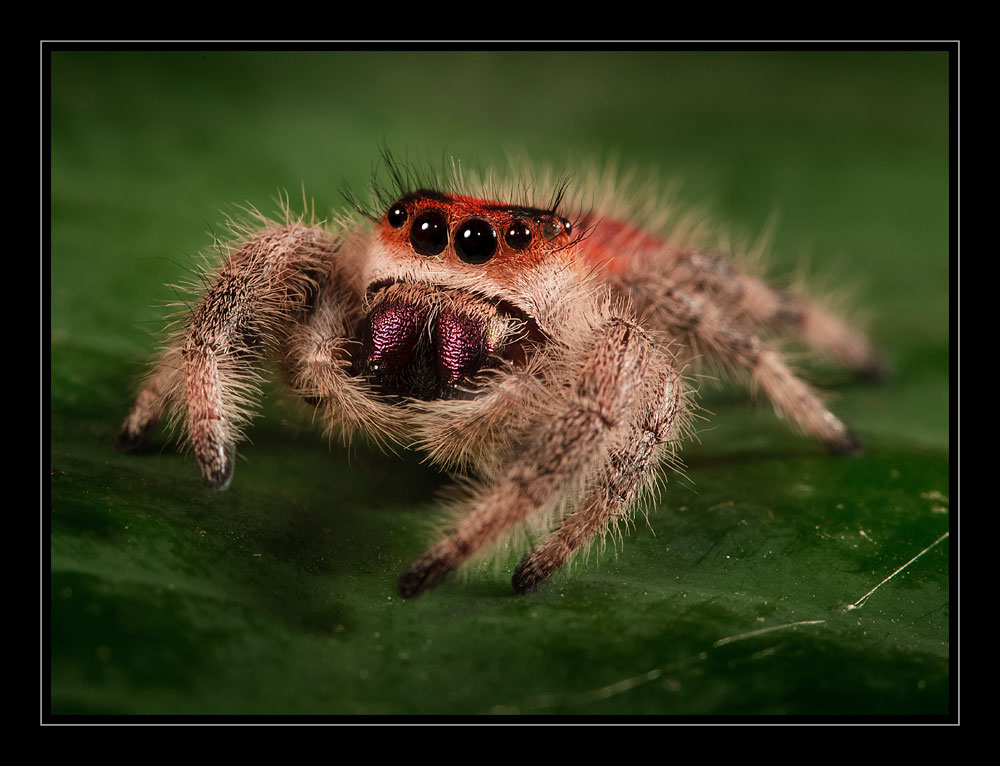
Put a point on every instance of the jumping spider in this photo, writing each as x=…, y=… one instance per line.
x=536, y=356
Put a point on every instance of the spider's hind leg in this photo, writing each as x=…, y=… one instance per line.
x=711, y=329
x=763, y=309
x=829, y=335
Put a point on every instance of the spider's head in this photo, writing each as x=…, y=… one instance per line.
x=457, y=284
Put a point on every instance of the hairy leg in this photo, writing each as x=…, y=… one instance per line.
x=760, y=307
x=659, y=420
x=478, y=433
x=833, y=338
x=710, y=331
x=318, y=361
x=569, y=449
x=642, y=264
x=151, y=402
x=208, y=374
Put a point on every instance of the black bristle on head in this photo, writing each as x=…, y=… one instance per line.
x=392, y=179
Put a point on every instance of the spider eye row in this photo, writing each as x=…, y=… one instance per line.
x=475, y=239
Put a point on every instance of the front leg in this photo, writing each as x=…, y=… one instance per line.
x=207, y=376
x=564, y=454
x=659, y=419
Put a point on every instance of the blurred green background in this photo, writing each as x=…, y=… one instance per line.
x=278, y=596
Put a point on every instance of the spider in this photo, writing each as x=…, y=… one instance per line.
x=536, y=356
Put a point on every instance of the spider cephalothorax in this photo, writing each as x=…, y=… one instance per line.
x=449, y=293
x=537, y=357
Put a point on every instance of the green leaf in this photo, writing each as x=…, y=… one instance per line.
x=769, y=578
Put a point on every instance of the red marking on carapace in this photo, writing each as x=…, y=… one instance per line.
x=607, y=245
x=552, y=235
x=612, y=246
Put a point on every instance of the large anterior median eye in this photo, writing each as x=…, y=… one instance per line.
x=429, y=233
x=475, y=241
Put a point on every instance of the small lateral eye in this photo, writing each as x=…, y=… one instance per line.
x=567, y=226
x=429, y=233
x=518, y=235
x=475, y=241
x=396, y=216
x=552, y=227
